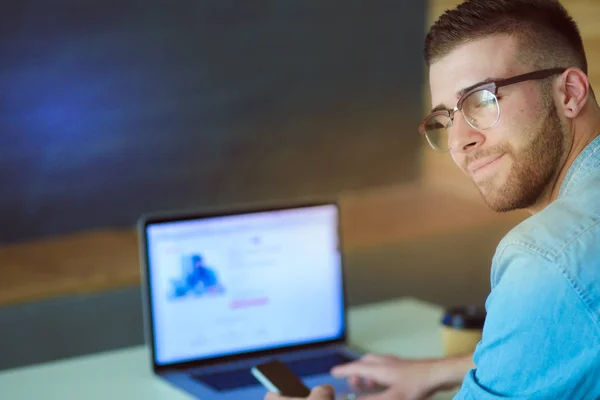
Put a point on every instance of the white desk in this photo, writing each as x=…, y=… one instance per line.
x=407, y=328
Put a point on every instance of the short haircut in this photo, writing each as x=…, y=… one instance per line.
x=547, y=35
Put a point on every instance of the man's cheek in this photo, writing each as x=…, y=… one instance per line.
x=460, y=162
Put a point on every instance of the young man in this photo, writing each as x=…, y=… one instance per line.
x=513, y=106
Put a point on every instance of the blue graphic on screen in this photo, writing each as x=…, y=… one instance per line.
x=197, y=278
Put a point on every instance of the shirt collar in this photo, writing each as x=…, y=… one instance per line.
x=585, y=165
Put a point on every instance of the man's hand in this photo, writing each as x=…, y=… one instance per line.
x=318, y=393
x=403, y=379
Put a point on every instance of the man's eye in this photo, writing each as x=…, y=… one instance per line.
x=488, y=102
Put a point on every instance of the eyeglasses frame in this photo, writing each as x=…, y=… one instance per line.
x=493, y=88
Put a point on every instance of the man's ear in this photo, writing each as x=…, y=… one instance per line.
x=574, y=87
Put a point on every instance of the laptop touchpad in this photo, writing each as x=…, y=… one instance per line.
x=238, y=378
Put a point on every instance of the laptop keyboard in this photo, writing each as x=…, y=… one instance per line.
x=242, y=377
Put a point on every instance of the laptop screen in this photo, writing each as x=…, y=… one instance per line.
x=242, y=283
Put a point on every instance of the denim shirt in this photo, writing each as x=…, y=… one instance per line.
x=541, y=338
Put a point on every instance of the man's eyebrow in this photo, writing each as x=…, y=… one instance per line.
x=462, y=92
x=439, y=107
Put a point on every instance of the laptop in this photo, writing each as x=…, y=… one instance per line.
x=224, y=290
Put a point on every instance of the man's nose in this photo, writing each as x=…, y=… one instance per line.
x=462, y=136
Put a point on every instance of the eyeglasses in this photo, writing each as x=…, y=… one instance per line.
x=479, y=106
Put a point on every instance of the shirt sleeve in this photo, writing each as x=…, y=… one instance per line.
x=540, y=340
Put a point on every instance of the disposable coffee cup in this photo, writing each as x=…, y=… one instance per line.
x=461, y=329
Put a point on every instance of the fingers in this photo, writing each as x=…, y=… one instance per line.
x=373, y=358
x=360, y=368
x=387, y=395
x=369, y=358
x=371, y=371
x=354, y=381
x=324, y=392
x=361, y=383
x=273, y=396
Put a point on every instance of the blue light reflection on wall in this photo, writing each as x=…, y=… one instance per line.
x=113, y=108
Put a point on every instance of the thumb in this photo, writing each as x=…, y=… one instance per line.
x=322, y=392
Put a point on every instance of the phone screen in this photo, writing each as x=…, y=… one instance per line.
x=279, y=378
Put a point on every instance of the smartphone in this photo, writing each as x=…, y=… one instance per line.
x=279, y=378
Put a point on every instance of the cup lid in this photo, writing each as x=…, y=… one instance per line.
x=465, y=317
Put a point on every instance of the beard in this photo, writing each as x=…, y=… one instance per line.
x=533, y=169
